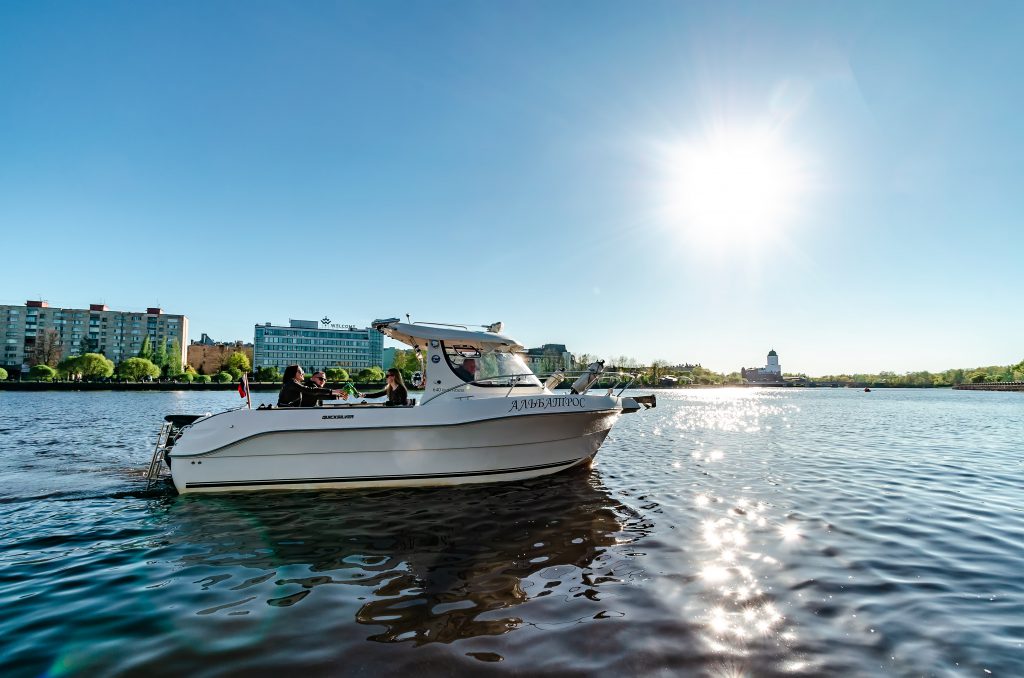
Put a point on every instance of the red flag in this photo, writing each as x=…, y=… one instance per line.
x=243, y=389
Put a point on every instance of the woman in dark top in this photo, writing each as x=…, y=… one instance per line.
x=292, y=388
x=396, y=392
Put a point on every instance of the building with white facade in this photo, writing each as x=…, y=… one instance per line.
x=548, y=358
x=316, y=346
x=118, y=335
x=772, y=372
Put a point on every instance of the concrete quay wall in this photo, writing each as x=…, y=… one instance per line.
x=996, y=386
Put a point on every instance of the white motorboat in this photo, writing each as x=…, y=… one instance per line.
x=501, y=424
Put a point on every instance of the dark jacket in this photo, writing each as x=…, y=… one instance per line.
x=292, y=394
x=310, y=399
x=399, y=397
x=464, y=374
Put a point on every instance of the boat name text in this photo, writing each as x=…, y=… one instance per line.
x=337, y=416
x=548, y=403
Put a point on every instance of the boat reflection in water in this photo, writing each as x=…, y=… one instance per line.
x=426, y=565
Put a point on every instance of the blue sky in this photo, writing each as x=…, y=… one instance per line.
x=472, y=162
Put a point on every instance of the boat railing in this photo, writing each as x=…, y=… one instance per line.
x=626, y=379
x=514, y=380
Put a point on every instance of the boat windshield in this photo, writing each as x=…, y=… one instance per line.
x=494, y=368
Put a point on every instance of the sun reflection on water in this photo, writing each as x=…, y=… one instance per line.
x=731, y=409
x=743, y=612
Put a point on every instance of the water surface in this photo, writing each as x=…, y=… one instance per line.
x=727, y=532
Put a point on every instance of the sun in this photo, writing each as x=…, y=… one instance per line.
x=732, y=186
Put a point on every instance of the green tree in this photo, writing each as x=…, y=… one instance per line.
x=146, y=350
x=160, y=355
x=271, y=374
x=94, y=366
x=42, y=372
x=336, y=374
x=658, y=370
x=370, y=375
x=186, y=377
x=69, y=368
x=223, y=377
x=702, y=375
x=203, y=379
x=238, y=363
x=138, y=368
x=406, y=362
x=173, y=365
x=3, y=374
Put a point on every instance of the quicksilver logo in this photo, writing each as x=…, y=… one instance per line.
x=337, y=416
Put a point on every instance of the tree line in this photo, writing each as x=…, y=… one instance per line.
x=652, y=375
x=971, y=375
x=164, y=361
x=161, y=360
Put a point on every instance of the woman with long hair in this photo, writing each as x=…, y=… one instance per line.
x=292, y=388
x=398, y=395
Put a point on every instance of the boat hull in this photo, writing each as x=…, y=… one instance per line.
x=320, y=448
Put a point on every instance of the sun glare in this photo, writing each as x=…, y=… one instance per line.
x=732, y=187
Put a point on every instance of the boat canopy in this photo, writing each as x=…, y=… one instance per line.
x=419, y=335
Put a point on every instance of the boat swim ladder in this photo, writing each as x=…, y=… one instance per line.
x=157, y=460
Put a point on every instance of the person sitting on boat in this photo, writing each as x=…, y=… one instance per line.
x=467, y=370
x=395, y=390
x=292, y=388
x=317, y=380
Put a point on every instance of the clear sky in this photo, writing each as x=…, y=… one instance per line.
x=843, y=182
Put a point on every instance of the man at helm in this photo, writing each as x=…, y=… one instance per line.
x=467, y=370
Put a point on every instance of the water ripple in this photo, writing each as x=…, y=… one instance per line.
x=728, y=532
